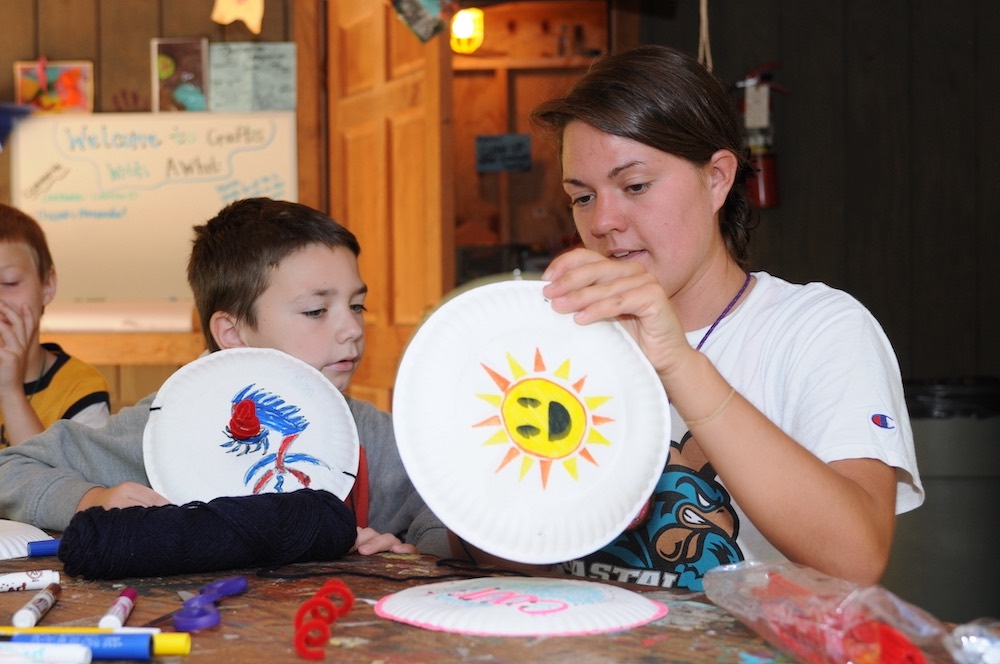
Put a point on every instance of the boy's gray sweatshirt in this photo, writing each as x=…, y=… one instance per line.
x=43, y=479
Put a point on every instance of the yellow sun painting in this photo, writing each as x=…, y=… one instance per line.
x=543, y=417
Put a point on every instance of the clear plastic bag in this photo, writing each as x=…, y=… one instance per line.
x=976, y=642
x=819, y=619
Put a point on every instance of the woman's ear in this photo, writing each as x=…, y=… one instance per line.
x=722, y=171
x=225, y=330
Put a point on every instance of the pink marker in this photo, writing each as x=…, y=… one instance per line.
x=120, y=610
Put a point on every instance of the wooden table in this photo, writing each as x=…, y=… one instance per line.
x=257, y=626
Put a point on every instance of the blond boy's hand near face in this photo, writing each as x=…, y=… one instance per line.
x=17, y=331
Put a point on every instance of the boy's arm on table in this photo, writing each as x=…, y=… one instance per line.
x=43, y=479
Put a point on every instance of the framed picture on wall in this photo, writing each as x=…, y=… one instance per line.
x=55, y=86
x=179, y=74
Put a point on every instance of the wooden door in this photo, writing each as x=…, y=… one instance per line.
x=390, y=179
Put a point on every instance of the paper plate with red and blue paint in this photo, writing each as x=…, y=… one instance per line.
x=244, y=421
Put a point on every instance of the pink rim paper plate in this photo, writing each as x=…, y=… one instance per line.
x=531, y=437
x=292, y=429
x=512, y=606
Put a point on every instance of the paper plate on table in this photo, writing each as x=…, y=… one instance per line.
x=249, y=420
x=15, y=536
x=520, y=607
x=533, y=438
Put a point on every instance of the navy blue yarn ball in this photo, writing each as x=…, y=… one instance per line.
x=225, y=533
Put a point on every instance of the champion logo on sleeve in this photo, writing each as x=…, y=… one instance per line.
x=883, y=421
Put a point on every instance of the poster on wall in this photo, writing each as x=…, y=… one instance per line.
x=252, y=76
x=55, y=86
x=179, y=74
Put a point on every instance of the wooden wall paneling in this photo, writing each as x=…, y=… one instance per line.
x=386, y=174
x=136, y=348
x=987, y=140
x=309, y=34
x=531, y=52
x=112, y=374
x=363, y=147
x=759, y=25
x=357, y=75
x=67, y=29
x=357, y=199
x=440, y=143
x=416, y=249
x=809, y=132
x=742, y=37
x=624, y=21
x=135, y=363
x=421, y=123
x=123, y=71
x=404, y=53
x=539, y=205
x=189, y=18
x=477, y=195
x=19, y=43
x=675, y=24
x=501, y=99
x=275, y=24
x=378, y=398
x=19, y=40
x=877, y=183
x=137, y=382
x=414, y=144
x=544, y=29
x=943, y=163
x=5, y=196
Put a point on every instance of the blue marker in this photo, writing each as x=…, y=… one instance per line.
x=114, y=645
x=49, y=547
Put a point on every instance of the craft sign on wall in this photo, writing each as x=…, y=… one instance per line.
x=118, y=193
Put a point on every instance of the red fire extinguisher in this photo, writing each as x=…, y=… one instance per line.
x=762, y=186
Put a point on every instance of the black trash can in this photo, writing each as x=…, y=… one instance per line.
x=945, y=554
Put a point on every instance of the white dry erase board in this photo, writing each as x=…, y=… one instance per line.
x=118, y=193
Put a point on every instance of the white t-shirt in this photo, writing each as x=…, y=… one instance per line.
x=818, y=365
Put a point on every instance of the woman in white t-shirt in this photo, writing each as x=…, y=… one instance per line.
x=791, y=438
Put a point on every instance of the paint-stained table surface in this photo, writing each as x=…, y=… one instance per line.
x=257, y=626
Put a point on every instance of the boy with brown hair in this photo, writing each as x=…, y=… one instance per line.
x=264, y=273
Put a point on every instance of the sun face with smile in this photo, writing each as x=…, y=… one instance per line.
x=544, y=417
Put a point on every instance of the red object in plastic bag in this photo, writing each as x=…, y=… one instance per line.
x=819, y=619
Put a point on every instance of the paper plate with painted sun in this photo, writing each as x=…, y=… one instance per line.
x=531, y=437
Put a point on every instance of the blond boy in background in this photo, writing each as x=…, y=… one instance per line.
x=39, y=383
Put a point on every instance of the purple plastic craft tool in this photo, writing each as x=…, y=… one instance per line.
x=200, y=611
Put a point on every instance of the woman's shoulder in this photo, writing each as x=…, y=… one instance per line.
x=774, y=291
x=785, y=310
